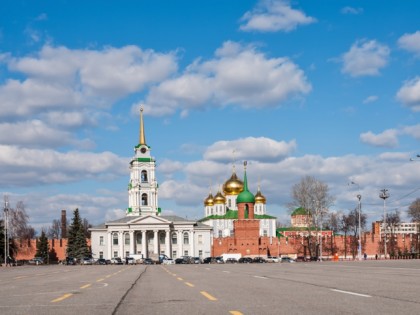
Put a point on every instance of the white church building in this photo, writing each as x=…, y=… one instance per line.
x=144, y=230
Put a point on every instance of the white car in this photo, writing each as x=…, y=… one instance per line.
x=168, y=261
x=273, y=259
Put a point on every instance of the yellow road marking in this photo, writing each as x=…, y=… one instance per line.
x=65, y=296
x=180, y=279
x=86, y=286
x=99, y=280
x=210, y=297
x=189, y=284
x=235, y=313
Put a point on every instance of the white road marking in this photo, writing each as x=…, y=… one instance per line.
x=352, y=293
x=259, y=277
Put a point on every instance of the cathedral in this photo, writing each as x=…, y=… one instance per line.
x=144, y=231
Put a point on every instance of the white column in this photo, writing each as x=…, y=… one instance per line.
x=143, y=243
x=132, y=242
x=109, y=246
x=168, y=243
x=155, y=242
x=121, y=244
x=191, y=234
x=180, y=243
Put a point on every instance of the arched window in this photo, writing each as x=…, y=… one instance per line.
x=144, y=200
x=174, y=238
x=115, y=239
x=246, y=211
x=186, y=238
x=144, y=176
x=127, y=239
x=138, y=236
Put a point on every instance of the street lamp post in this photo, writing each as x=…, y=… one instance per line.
x=6, y=229
x=384, y=195
x=359, y=243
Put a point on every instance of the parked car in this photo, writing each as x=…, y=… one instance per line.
x=258, y=260
x=219, y=260
x=301, y=258
x=287, y=260
x=273, y=259
x=36, y=261
x=196, y=260
x=130, y=261
x=231, y=261
x=70, y=261
x=116, y=261
x=168, y=261
x=180, y=260
x=147, y=261
x=101, y=261
x=209, y=260
x=245, y=260
x=86, y=261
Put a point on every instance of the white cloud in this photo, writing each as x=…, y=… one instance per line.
x=238, y=75
x=409, y=94
x=410, y=42
x=351, y=10
x=29, y=167
x=59, y=78
x=168, y=167
x=370, y=99
x=413, y=131
x=387, y=138
x=365, y=58
x=257, y=149
x=273, y=16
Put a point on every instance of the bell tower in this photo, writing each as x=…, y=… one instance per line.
x=143, y=187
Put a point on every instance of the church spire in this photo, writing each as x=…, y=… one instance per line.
x=142, y=136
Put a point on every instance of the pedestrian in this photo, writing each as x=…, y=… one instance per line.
x=376, y=256
x=126, y=260
x=365, y=256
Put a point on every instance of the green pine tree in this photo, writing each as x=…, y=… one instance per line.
x=76, y=243
x=42, y=247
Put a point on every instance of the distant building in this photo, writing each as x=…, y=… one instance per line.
x=144, y=230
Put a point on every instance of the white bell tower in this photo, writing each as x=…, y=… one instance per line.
x=143, y=187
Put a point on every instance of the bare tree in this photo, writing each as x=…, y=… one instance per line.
x=392, y=220
x=86, y=226
x=334, y=224
x=313, y=196
x=350, y=224
x=54, y=231
x=414, y=210
x=18, y=220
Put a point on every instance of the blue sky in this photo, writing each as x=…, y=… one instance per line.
x=329, y=89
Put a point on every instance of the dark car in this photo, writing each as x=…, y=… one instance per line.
x=219, y=260
x=180, y=261
x=148, y=261
x=209, y=260
x=301, y=258
x=258, y=260
x=231, y=261
x=245, y=260
x=70, y=261
x=101, y=261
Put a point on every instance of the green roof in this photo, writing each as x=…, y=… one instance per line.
x=233, y=214
x=142, y=160
x=300, y=211
x=245, y=195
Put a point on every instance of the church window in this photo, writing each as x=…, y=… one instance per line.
x=101, y=241
x=138, y=237
x=144, y=200
x=185, y=252
x=174, y=239
x=220, y=233
x=101, y=255
x=115, y=254
x=144, y=176
x=115, y=239
x=173, y=254
x=265, y=233
x=246, y=211
x=200, y=239
x=200, y=253
x=127, y=239
x=230, y=203
x=186, y=238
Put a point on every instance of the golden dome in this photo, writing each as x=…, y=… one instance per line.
x=209, y=201
x=233, y=185
x=219, y=198
x=259, y=197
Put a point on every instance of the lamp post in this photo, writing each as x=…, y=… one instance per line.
x=359, y=243
x=6, y=229
x=384, y=195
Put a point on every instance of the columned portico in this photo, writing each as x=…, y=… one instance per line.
x=155, y=242
x=143, y=243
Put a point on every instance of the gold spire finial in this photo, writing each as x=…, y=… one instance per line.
x=142, y=136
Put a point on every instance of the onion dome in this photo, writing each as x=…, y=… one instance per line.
x=233, y=186
x=259, y=197
x=209, y=201
x=245, y=196
x=219, y=198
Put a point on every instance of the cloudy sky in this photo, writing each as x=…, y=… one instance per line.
x=329, y=89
